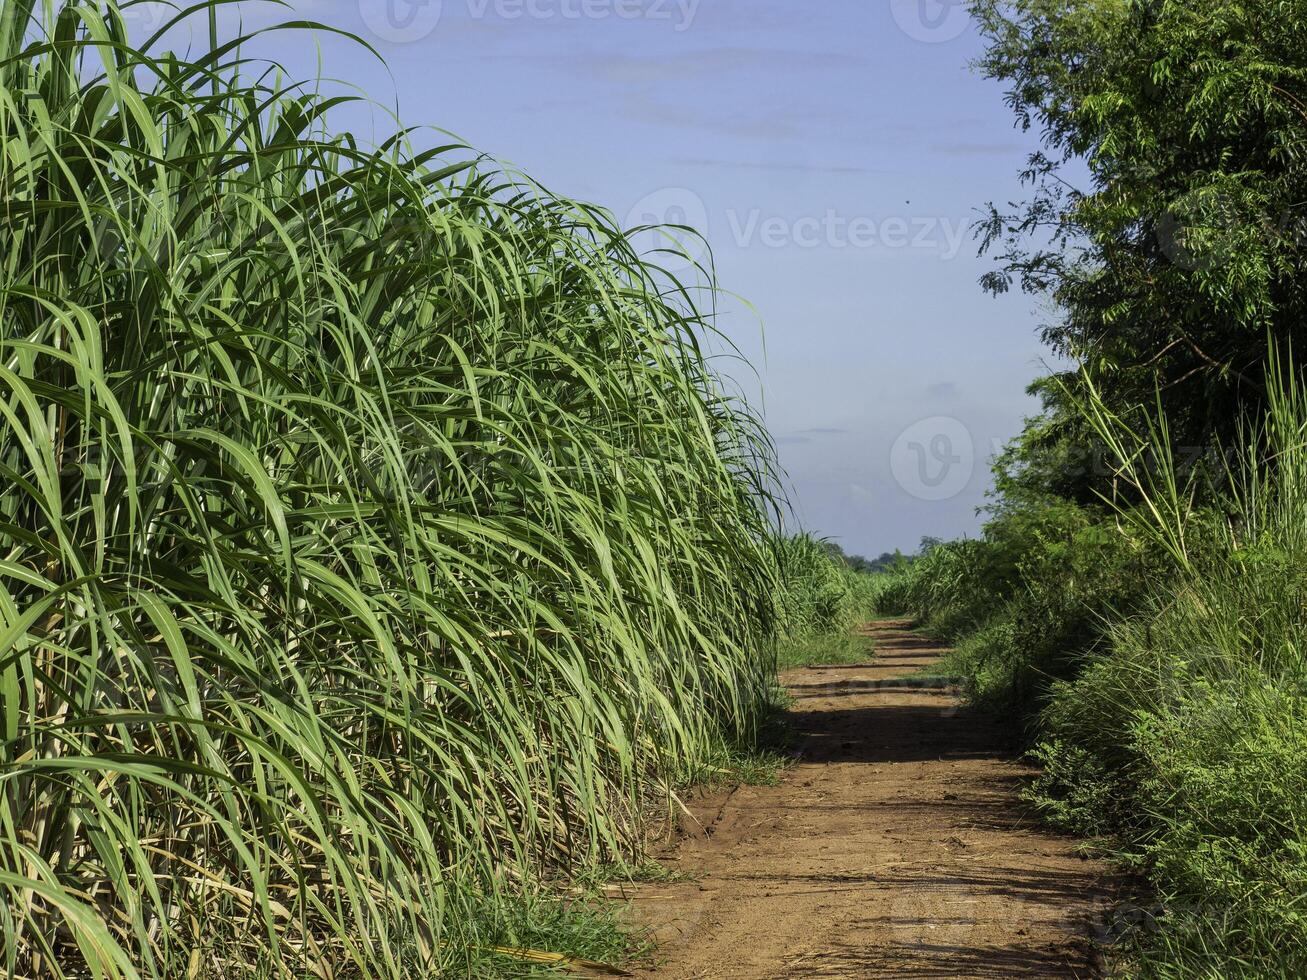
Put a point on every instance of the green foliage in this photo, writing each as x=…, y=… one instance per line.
x=1186, y=248
x=832, y=648
x=820, y=595
x=645, y=871
x=1174, y=688
x=374, y=536
x=944, y=587
x=588, y=926
x=814, y=596
x=1138, y=592
x=1027, y=602
x=1195, y=718
x=824, y=597
x=1187, y=738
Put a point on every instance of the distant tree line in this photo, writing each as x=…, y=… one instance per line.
x=887, y=561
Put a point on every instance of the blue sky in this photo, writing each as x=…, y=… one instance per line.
x=834, y=153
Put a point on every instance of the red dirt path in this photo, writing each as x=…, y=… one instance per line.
x=895, y=847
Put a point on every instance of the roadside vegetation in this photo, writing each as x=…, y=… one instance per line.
x=377, y=546
x=1136, y=602
x=824, y=597
x=379, y=550
x=379, y=554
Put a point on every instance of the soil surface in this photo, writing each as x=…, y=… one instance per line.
x=896, y=846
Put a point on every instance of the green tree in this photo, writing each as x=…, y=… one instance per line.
x=1182, y=250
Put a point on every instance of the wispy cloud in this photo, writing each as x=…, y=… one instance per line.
x=802, y=437
x=979, y=149
x=816, y=168
x=711, y=64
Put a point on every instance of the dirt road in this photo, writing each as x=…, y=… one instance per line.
x=895, y=847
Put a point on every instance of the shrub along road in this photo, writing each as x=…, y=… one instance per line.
x=896, y=846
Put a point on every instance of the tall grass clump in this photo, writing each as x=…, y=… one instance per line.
x=1187, y=736
x=939, y=586
x=1153, y=651
x=814, y=597
x=821, y=601
x=373, y=534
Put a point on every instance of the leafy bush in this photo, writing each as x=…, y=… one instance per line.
x=1158, y=643
x=1186, y=737
x=1028, y=602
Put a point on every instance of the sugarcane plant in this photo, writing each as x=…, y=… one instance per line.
x=375, y=535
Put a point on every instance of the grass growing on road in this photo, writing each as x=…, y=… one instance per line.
x=829, y=649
